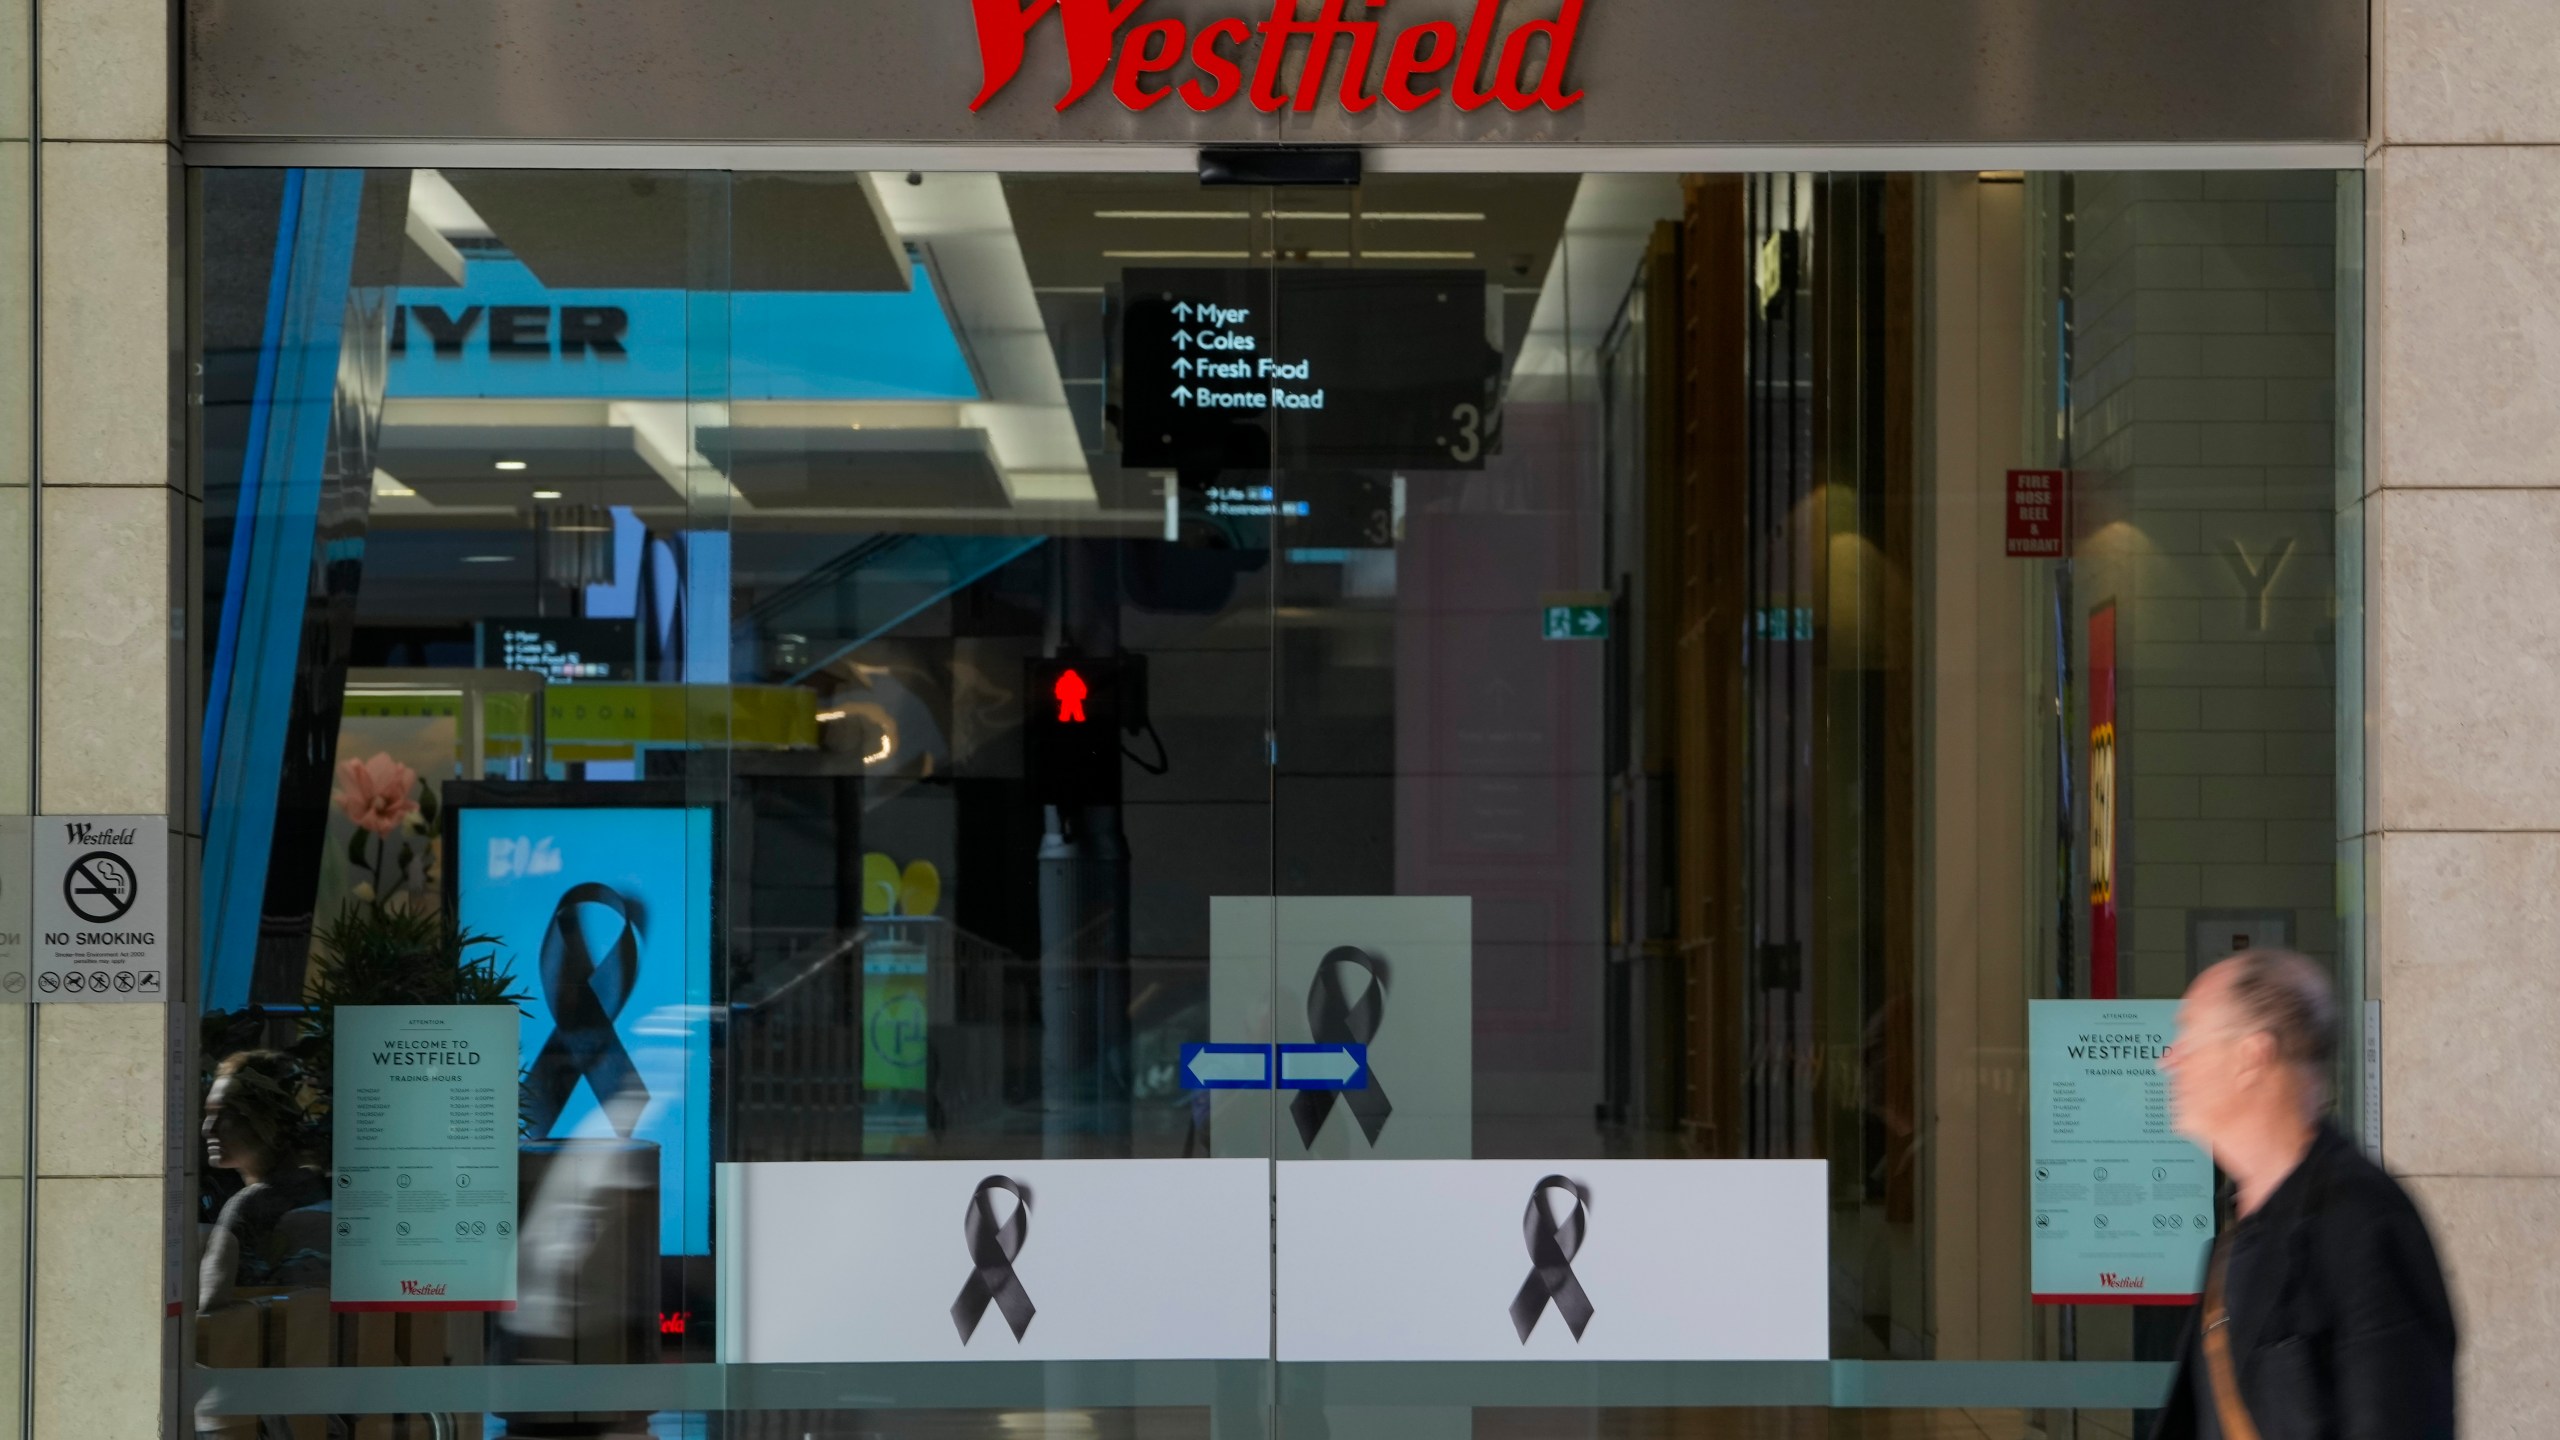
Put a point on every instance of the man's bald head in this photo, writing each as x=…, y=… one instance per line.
x=2257, y=1042
x=2290, y=997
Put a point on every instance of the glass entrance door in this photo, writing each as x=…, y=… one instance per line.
x=1090, y=804
x=1477, y=714
x=1045, y=679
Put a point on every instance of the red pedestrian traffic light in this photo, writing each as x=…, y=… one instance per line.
x=1073, y=713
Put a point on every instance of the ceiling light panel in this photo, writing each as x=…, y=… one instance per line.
x=433, y=199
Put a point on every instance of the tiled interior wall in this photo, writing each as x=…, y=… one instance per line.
x=2204, y=392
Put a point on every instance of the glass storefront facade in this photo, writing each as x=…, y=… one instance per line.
x=1650, y=678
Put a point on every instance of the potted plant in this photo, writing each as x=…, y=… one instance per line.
x=390, y=942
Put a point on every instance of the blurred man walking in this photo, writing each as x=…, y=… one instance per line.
x=2324, y=1316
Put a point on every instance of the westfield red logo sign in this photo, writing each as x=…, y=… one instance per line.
x=1148, y=62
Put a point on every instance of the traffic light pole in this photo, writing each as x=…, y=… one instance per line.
x=1084, y=899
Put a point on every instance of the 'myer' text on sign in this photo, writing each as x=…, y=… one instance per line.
x=1151, y=61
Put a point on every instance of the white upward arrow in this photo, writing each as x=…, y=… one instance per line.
x=1182, y=311
x=1182, y=367
x=1334, y=1065
x=1182, y=339
x=1182, y=395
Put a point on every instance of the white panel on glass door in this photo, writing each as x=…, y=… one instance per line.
x=1553, y=1260
x=1393, y=972
x=996, y=1260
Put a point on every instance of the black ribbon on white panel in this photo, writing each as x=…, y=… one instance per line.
x=1551, y=1251
x=586, y=992
x=992, y=1248
x=1332, y=1019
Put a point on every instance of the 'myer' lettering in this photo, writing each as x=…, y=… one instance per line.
x=516, y=332
x=1151, y=61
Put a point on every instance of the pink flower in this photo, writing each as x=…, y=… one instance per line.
x=375, y=793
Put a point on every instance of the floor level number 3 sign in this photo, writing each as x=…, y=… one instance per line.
x=101, y=902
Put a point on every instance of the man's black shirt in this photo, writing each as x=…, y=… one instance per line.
x=2340, y=1328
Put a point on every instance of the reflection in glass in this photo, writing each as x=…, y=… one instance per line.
x=872, y=667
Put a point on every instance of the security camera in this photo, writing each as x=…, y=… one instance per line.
x=915, y=177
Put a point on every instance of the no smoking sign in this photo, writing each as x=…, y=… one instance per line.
x=101, y=893
x=99, y=887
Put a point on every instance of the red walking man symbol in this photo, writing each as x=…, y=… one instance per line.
x=1071, y=691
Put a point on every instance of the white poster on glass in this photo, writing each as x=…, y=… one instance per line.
x=1393, y=972
x=424, y=1206
x=2123, y=1205
x=995, y=1260
x=1554, y=1260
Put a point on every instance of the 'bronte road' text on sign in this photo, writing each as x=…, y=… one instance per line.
x=1340, y=370
x=1262, y=61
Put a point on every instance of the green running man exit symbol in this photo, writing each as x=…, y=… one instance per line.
x=1577, y=622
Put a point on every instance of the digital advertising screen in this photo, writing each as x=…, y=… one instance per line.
x=605, y=914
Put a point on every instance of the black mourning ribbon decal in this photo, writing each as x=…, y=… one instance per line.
x=992, y=1248
x=1333, y=1020
x=585, y=992
x=1551, y=1251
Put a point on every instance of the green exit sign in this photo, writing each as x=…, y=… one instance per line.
x=1577, y=621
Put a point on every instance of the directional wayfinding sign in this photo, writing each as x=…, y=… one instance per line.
x=1575, y=617
x=1324, y=1067
x=1252, y=370
x=101, y=898
x=1577, y=622
x=1226, y=1067
x=1249, y=1067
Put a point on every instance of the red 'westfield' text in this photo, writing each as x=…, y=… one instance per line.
x=1150, y=61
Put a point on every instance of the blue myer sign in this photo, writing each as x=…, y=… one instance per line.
x=516, y=332
x=506, y=336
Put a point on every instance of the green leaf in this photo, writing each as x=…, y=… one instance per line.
x=428, y=805
x=355, y=849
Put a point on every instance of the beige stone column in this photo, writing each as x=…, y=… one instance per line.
x=111, y=511
x=2463, y=694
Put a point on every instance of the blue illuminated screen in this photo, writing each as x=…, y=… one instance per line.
x=635, y=883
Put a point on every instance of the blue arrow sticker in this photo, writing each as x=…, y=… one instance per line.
x=1226, y=1067
x=1324, y=1067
